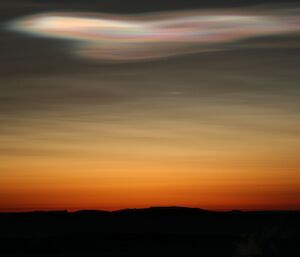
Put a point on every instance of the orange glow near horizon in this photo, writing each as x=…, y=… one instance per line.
x=141, y=164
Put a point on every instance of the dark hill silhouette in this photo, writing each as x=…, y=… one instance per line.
x=155, y=231
x=171, y=210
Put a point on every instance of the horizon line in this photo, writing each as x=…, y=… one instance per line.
x=75, y=210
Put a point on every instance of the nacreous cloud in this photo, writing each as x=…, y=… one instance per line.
x=150, y=36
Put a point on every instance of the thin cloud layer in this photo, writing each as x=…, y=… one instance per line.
x=159, y=35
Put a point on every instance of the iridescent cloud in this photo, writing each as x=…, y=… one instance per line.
x=158, y=35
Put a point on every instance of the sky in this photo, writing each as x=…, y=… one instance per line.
x=157, y=103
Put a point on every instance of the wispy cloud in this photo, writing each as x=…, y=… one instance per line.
x=158, y=35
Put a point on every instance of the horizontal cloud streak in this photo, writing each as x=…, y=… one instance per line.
x=149, y=36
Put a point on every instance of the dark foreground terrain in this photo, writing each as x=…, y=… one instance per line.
x=169, y=231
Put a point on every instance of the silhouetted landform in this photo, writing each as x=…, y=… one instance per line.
x=156, y=231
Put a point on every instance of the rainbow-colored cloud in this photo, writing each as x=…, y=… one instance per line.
x=150, y=36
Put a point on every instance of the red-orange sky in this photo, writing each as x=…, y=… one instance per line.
x=217, y=130
x=177, y=156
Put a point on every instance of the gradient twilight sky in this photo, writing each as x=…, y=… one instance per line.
x=217, y=127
